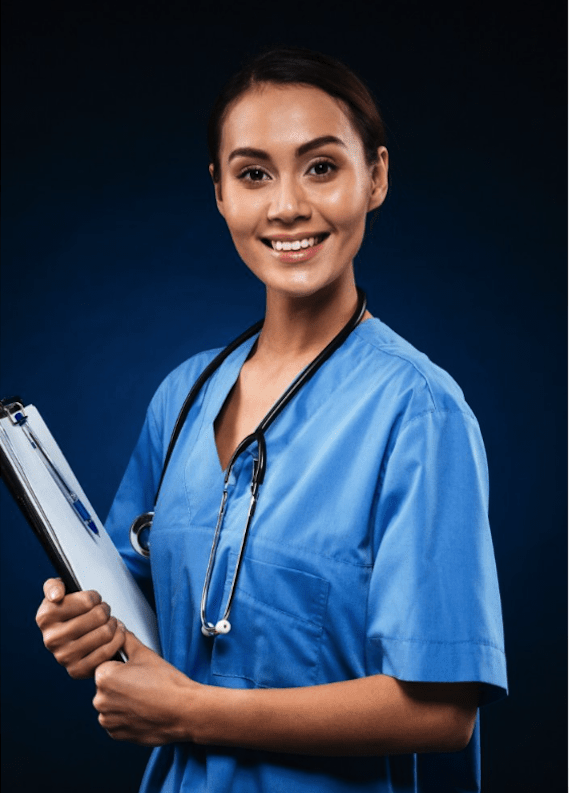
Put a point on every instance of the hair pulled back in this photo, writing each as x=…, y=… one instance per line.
x=297, y=65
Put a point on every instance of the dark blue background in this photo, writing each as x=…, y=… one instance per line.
x=116, y=267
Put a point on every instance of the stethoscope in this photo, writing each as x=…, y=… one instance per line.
x=140, y=529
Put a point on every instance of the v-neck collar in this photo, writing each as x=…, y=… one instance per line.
x=222, y=382
x=225, y=378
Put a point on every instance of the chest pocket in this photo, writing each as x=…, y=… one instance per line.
x=277, y=623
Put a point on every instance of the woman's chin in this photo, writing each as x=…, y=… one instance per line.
x=299, y=283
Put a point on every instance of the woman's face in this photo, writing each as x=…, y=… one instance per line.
x=295, y=187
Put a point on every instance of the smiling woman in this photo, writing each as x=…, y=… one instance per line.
x=349, y=569
x=313, y=182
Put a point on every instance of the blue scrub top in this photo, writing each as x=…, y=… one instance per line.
x=369, y=553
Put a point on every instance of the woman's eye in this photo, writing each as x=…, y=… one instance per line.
x=252, y=175
x=323, y=168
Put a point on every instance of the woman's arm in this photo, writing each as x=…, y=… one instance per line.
x=370, y=716
x=149, y=701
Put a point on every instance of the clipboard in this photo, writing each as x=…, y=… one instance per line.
x=41, y=481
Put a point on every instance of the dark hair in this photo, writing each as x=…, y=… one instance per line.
x=297, y=65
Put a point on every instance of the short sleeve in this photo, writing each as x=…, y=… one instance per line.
x=434, y=611
x=134, y=497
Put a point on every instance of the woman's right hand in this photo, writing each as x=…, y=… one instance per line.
x=78, y=629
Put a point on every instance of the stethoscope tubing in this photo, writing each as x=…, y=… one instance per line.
x=196, y=388
x=259, y=464
x=223, y=625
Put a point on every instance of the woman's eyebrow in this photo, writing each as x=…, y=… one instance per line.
x=323, y=140
x=259, y=154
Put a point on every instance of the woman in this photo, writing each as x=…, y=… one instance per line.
x=365, y=628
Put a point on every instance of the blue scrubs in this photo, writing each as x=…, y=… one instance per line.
x=369, y=553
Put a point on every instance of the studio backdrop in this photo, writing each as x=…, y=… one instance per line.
x=116, y=267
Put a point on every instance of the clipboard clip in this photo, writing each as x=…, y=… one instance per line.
x=13, y=408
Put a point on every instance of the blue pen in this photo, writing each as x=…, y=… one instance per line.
x=73, y=499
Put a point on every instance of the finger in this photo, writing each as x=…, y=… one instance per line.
x=71, y=606
x=86, y=667
x=54, y=589
x=103, y=674
x=84, y=624
x=132, y=644
x=60, y=634
x=71, y=651
x=86, y=605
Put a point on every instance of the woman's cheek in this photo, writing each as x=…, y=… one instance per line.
x=348, y=217
x=244, y=212
x=344, y=203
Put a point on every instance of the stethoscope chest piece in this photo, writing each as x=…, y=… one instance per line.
x=139, y=533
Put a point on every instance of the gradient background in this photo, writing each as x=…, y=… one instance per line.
x=116, y=267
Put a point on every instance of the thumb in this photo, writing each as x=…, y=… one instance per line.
x=54, y=589
x=132, y=646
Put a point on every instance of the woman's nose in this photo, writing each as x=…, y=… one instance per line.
x=288, y=202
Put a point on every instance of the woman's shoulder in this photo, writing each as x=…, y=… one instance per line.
x=174, y=388
x=396, y=363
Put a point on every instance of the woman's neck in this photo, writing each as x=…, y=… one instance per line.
x=297, y=327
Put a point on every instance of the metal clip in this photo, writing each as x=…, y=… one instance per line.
x=14, y=410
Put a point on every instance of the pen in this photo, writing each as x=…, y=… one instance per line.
x=73, y=499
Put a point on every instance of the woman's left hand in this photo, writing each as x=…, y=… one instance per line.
x=142, y=700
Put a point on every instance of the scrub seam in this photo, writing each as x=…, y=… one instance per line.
x=439, y=411
x=241, y=677
x=293, y=617
x=278, y=545
x=156, y=431
x=324, y=596
x=383, y=349
x=403, y=427
x=366, y=623
x=436, y=641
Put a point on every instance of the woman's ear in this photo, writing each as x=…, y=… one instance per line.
x=379, y=180
x=217, y=188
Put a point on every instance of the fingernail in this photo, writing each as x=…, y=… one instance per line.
x=53, y=593
x=121, y=625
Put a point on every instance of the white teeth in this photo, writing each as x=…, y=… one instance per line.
x=296, y=245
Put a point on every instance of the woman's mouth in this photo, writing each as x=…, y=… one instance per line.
x=298, y=250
